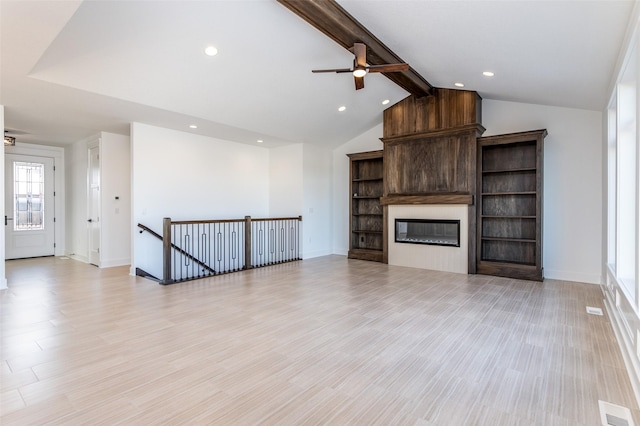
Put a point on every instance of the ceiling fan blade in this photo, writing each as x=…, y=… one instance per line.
x=360, y=50
x=338, y=70
x=359, y=82
x=388, y=68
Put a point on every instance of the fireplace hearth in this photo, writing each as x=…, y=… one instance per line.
x=437, y=232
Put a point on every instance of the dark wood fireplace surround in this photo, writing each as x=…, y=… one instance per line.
x=431, y=156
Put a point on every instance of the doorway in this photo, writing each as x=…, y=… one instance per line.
x=29, y=206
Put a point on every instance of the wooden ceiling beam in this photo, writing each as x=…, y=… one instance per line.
x=336, y=23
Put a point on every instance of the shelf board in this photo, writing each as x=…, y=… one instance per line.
x=492, y=216
x=510, y=193
x=525, y=169
x=367, y=179
x=517, y=240
x=365, y=231
x=366, y=197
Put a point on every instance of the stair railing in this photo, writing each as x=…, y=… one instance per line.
x=200, y=248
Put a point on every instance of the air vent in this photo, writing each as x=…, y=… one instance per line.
x=594, y=311
x=614, y=415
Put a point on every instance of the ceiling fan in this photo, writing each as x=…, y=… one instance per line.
x=10, y=136
x=360, y=67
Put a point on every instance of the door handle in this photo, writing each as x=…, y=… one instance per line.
x=89, y=220
x=6, y=220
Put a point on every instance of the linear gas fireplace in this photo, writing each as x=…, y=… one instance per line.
x=436, y=232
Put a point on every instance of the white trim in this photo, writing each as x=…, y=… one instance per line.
x=572, y=276
x=626, y=348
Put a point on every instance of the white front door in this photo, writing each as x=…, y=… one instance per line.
x=94, y=206
x=29, y=206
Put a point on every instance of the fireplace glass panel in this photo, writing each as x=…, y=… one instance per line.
x=428, y=231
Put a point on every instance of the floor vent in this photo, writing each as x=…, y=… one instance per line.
x=614, y=415
x=594, y=311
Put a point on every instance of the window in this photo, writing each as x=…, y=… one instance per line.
x=28, y=192
x=623, y=254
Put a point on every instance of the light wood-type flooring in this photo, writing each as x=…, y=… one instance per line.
x=319, y=341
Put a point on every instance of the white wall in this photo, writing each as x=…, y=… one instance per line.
x=186, y=176
x=3, y=279
x=368, y=141
x=572, y=183
x=572, y=218
x=285, y=181
x=115, y=218
x=316, y=220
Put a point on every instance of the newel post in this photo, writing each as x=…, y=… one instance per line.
x=247, y=242
x=166, y=251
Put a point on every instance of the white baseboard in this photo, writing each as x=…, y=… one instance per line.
x=115, y=262
x=317, y=253
x=77, y=257
x=573, y=276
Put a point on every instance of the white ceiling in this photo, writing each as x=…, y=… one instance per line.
x=71, y=69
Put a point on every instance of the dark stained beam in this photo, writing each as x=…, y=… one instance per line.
x=337, y=24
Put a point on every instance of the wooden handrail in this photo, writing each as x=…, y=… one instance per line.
x=200, y=222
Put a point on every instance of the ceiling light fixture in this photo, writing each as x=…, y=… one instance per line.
x=9, y=141
x=342, y=108
x=259, y=141
x=359, y=72
x=193, y=126
x=385, y=102
x=458, y=84
x=488, y=74
x=211, y=51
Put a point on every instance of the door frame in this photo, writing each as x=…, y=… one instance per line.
x=57, y=153
x=95, y=216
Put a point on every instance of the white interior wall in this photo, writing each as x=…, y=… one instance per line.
x=316, y=220
x=572, y=183
x=368, y=141
x=572, y=218
x=115, y=200
x=186, y=176
x=285, y=181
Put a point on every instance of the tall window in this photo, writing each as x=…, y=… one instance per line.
x=29, y=196
x=623, y=200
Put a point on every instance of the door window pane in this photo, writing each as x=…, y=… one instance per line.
x=28, y=184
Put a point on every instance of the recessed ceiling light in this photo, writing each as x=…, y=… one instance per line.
x=193, y=126
x=342, y=108
x=458, y=84
x=488, y=74
x=386, y=101
x=259, y=141
x=211, y=51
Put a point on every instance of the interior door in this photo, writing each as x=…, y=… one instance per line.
x=94, y=206
x=29, y=206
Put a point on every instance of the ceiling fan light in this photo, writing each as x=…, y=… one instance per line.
x=359, y=72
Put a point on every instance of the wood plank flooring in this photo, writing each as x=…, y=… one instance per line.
x=320, y=341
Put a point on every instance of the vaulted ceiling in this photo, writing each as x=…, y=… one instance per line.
x=70, y=69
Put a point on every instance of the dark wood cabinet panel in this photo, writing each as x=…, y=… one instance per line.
x=366, y=223
x=509, y=233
